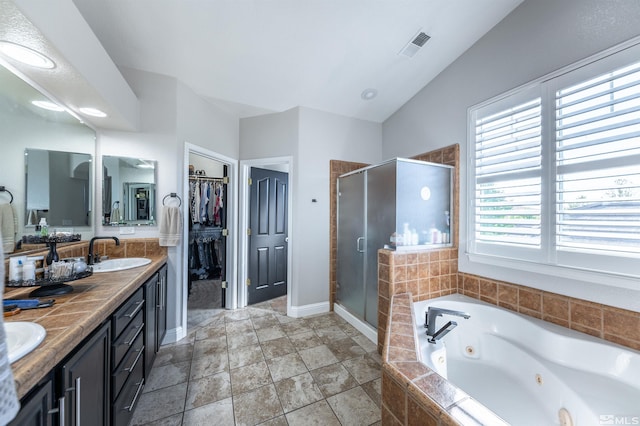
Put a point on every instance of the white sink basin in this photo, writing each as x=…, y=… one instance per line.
x=112, y=265
x=22, y=338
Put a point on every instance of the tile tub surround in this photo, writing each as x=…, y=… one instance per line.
x=430, y=274
x=411, y=392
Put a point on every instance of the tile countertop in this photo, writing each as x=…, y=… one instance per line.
x=73, y=317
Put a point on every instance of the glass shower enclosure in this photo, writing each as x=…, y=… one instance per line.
x=400, y=204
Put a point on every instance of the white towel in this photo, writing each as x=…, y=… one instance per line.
x=8, y=227
x=170, y=226
x=115, y=215
x=9, y=404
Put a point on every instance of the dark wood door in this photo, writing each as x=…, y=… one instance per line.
x=35, y=409
x=268, y=238
x=85, y=381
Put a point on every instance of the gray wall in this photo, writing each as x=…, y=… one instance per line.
x=538, y=37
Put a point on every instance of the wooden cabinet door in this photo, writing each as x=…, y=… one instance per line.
x=85, y=380
x=35, y=409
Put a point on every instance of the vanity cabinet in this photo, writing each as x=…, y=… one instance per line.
x=84, y=381
x=155, y=315
x=127, y=349
x=35, y=409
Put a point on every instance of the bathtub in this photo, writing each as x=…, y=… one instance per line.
x=530, y=372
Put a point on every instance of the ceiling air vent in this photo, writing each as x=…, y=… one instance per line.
x=415, y=44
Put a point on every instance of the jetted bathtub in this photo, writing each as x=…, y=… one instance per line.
x=531, y=372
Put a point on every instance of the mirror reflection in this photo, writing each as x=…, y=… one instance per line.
x=128, y=191
x=24, y=125
x=58, y=188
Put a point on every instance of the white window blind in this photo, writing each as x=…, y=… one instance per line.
x=597, y=164
x=508, y=183
x=555, y=170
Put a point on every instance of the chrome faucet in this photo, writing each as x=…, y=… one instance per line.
x=430, y=322
x=90, y=258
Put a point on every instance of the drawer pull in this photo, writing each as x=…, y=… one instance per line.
x=59, y=410
x=135, y=397
x=135, y=311
x=135, y=361
x=78, y=401
x=137, y=333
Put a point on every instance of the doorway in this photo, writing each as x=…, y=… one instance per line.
x=268, y=235
x=210, y=196
x=276, y=164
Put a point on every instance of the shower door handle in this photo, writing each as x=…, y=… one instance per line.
x=358, y=241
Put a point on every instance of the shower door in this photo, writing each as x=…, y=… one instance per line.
x=350, y=262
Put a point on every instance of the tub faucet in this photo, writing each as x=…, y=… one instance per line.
x=91, y=259
x=430, y=322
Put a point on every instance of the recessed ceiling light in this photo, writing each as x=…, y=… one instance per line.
x=48, y=105
x=368, y=94
x=93, y=112
x=25, y=55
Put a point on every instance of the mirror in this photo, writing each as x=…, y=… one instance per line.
x=128, y=191
x=23, y=126
x=58, y=188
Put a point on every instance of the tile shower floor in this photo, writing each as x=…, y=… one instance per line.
x=257, y=366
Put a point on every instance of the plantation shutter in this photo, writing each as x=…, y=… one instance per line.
x=508, y=175
x=597, y=156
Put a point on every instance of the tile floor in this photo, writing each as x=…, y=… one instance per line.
x=256, y=366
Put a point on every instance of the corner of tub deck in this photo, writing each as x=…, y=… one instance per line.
x=411, y=389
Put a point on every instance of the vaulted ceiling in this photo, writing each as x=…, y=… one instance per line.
x=256, y=56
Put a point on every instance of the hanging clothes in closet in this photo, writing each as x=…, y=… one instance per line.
x=206, y=251
x=206, y=202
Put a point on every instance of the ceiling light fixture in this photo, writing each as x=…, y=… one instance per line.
x=48, y=105
x=25, y=55
x=368, y=94
x=93, y=112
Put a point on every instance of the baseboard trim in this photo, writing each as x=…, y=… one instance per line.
x=307, y=310
x=361, y=326
x=174, y=335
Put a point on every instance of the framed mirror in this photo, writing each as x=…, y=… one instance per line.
x=128, y=191
x=26, y=124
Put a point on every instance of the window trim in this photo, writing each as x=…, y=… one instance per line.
x=547, y=263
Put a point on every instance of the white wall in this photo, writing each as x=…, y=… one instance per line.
x=538, y=37
x=170, y=113
x=312, y=138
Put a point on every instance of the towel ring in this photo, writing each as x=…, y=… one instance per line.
x=3, y=189
x=116, y=205
x=172, y=195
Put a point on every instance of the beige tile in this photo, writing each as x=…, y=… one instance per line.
x=277, y=347
x=333, y=379
x=208, y=365
x=270, y=333
x=317, y=414
x=257, y=406
x=354, y=407
x=363, y=368
x=345, y=348
x=250, y=377
x=173, y=354
x=305, y=340
x=318, y=357
x=159, y=404
x=242, y=339
x=374, y=390
x=208, y=389
x=278, y=421
x=297, y=391
x=329, y=334
x=211, y=346
x=286, y=366
x=167, y=375
x=221, y=411
x=245, y=355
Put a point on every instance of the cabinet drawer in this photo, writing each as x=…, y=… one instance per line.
x=129, y=364
x=123, y=316
x=126, y=402
x=127, y=338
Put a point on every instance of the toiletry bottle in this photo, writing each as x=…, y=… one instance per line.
x=406, y=235
x=29, y=271
x=44, y=228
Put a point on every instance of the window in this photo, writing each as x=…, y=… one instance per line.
x=555, y=172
